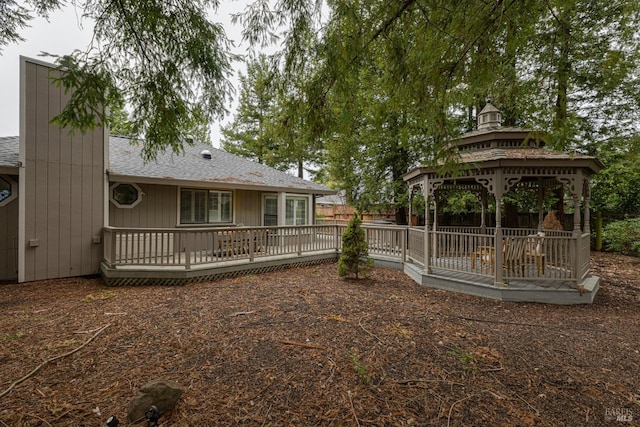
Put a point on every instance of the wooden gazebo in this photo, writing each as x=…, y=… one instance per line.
x=489, y=259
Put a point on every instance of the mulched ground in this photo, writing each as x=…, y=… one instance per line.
x=301, y=348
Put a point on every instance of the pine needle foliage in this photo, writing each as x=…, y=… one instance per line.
x=355, y=251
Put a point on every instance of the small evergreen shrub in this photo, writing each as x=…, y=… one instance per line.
x=623, y=237
x=355, y=251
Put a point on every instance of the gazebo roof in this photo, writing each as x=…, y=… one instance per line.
x=496, y=157
x=492, y=146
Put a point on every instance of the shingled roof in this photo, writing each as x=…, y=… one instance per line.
x=222, y=170
x=10, y=151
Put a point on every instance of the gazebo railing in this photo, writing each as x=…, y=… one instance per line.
x=463, y=252
x=415, y=247
x=561, y=256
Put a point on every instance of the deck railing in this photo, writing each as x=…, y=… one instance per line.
x=561, y=256
x=187, y=247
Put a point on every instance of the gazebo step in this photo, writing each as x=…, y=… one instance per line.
x=529, y=292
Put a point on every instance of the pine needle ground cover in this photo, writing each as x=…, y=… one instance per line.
x=303, y=347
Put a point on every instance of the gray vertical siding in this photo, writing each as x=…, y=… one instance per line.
x=248, y=207
x=158, y=208
x=63, y=177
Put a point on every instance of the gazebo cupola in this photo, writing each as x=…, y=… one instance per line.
x=490, y=117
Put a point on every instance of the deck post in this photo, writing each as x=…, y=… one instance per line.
x=114, y=248
x=299, y=239
x=112, y=255
x=252, y=242
x=187, y=250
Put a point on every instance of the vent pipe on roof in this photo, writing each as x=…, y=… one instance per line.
x=206, y=154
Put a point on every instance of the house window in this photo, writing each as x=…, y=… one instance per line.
x=125, y=195
x=296, y=209
x=270, y=211
x=205, y=206
x=8, y=190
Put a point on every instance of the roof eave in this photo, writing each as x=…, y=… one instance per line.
x=214, y=184
x=9, y=170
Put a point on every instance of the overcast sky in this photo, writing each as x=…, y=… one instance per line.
x=61, y=35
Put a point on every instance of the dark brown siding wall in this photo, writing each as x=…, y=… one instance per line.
x=64, y=185
x=9, y=239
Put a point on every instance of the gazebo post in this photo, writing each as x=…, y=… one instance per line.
x=587, y=214
x=577, y=192
x=410, y=205
x=498, y=234
x=485, y=203
x=576, y=215
x=577, y=195
x=427, y=235
x=540, y=203
x=434, y=228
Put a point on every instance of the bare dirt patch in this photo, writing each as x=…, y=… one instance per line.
x=302, y=347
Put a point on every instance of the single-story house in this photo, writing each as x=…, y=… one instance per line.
x=59, y=190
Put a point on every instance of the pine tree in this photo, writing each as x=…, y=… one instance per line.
x=355, y=250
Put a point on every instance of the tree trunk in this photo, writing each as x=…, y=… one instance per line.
x=401, y=215
x=510, y=215
x=562, y=81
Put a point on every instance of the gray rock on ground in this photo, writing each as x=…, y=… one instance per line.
x=164, y=394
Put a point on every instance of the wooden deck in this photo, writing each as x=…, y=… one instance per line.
x=126, y=275
x=173, y=257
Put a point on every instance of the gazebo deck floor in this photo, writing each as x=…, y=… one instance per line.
x=543, y=290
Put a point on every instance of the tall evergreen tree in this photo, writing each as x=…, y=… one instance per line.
x=250, y=133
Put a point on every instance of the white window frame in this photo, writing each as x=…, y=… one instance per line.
x=207, y=208
x=296, y=199
x=120, y=205
x=13, y=190
x=282, y=210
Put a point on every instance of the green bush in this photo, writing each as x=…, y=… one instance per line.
x=623, y=237
x=355, y=250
